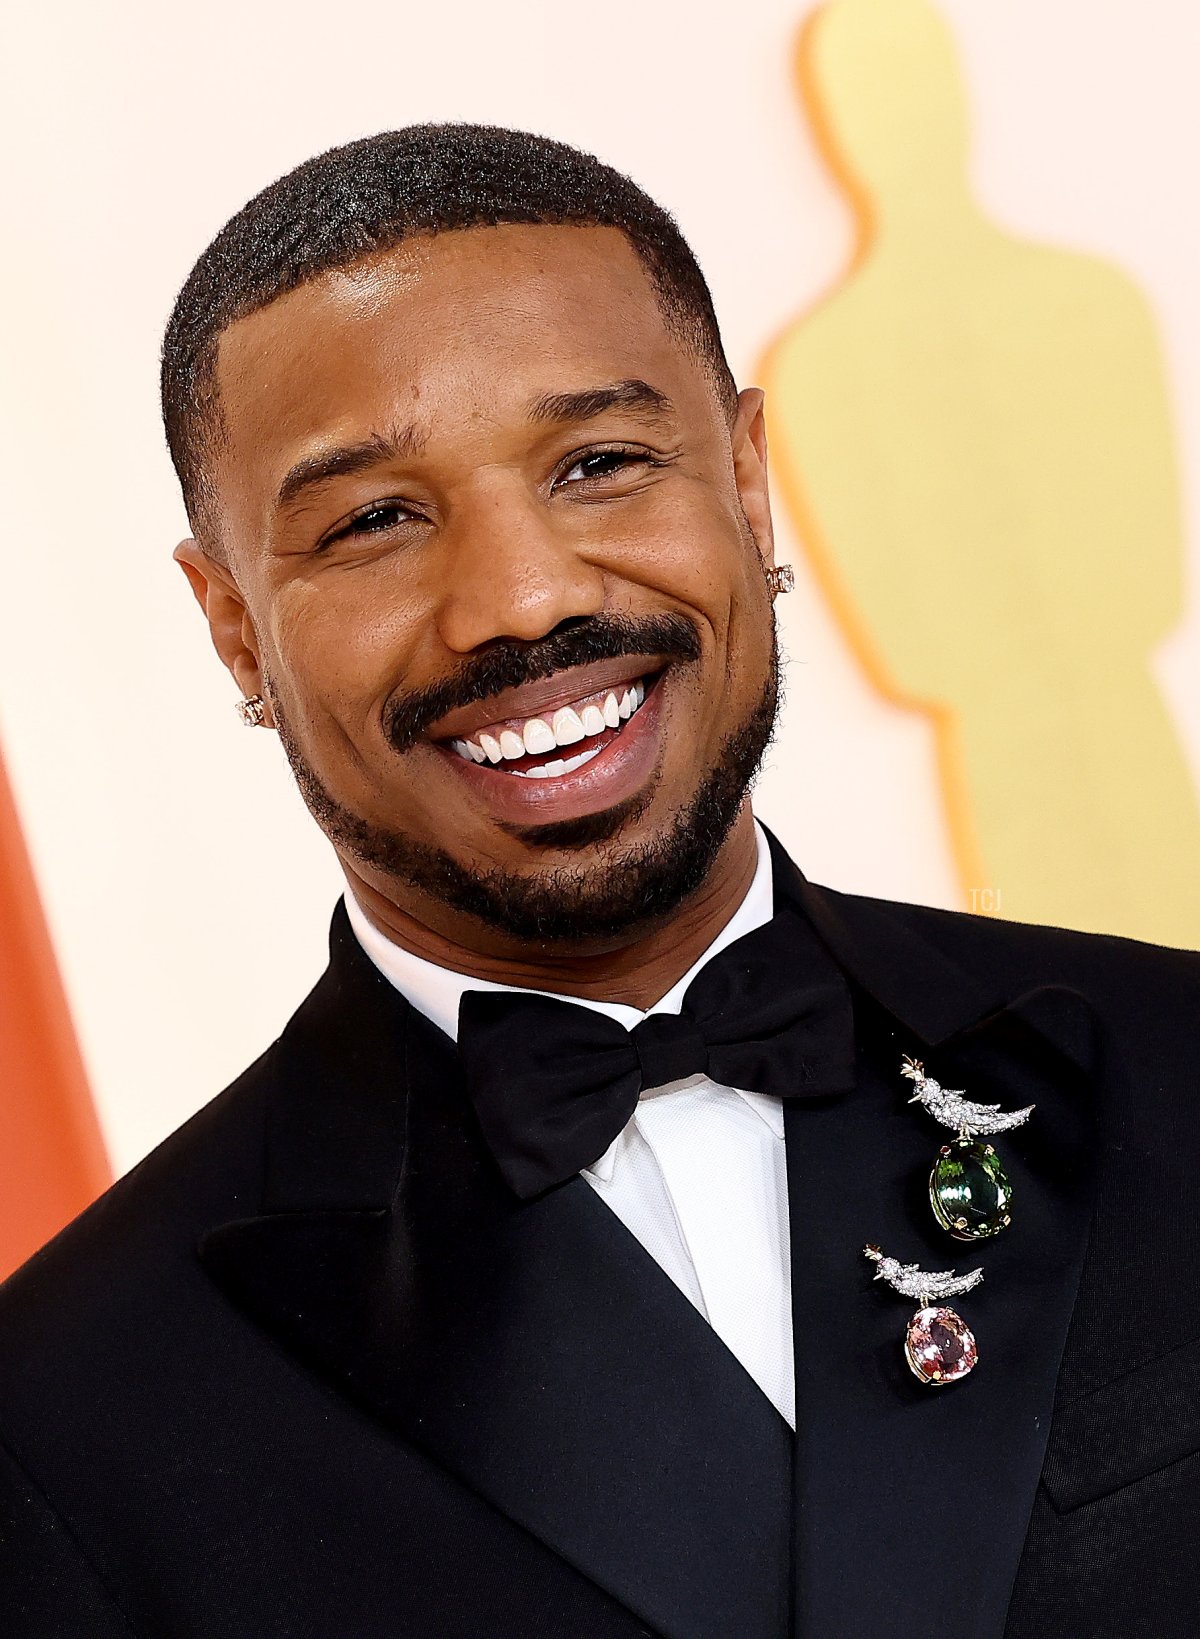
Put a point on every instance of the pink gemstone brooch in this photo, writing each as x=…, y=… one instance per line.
x=939, y=1345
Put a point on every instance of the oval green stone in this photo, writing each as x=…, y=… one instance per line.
x=969, y=1191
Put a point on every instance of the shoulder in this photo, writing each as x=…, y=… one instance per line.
x=1135, y=989
x=115, y=1351
x=112, y=1269
x=1051, y=954
x=1028, y=948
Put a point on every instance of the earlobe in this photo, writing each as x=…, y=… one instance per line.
x=229, y=622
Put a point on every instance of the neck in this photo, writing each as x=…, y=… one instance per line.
x=638, y=971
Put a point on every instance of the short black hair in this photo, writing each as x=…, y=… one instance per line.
x=365, y=197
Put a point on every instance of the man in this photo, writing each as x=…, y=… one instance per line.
x=518, y=1289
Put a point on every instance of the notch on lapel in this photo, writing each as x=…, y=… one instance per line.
x=534, y=1349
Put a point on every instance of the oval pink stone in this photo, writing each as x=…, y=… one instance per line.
x=940, y=1346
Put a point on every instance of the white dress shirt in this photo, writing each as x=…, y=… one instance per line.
x=698, y=1172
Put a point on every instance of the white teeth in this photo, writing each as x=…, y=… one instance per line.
x=552, y=771
x=567, y=727
x=538, y=736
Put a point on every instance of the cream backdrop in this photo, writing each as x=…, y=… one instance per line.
x=187, y=892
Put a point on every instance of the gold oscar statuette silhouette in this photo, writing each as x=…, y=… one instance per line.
x=974, y=436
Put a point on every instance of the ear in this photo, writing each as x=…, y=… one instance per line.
x=229, y=623
x=749, y=441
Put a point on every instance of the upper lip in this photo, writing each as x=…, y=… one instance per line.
x=546, y=695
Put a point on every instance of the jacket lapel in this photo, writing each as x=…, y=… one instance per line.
x=929, y=1488
x=533, y=1349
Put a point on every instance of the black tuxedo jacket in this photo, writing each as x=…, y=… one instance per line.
x=312, y=1370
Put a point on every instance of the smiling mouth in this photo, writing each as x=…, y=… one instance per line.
x=532, y=748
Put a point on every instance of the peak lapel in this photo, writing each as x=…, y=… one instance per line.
x=534, y=1349
x=932, y=1488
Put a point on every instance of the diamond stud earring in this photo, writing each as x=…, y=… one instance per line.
x=253, y=712
x=780, y=578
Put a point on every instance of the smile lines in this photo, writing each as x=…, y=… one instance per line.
x=586, y=719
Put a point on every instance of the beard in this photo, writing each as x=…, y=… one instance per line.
x=617, y=890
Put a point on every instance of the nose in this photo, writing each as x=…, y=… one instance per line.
x=511, y=569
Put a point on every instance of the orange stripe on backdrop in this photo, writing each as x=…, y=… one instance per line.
x=52, y=1160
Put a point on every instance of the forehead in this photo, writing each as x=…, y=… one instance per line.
x=456, y=328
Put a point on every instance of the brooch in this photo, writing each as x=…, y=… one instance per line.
x=939, y=1345
x=969, y=1190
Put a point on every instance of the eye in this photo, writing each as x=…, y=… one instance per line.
x=375, y=519
x=594, y=465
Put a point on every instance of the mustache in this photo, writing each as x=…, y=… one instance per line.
x=509, y=662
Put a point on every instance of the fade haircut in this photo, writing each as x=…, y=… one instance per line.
x=366, y=197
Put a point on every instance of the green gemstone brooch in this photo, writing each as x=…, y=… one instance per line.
x=969, y=1190
x=939, y=1346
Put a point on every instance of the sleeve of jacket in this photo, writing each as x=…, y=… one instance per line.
x=47, y=1585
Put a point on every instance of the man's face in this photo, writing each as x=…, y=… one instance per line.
x=496, y=560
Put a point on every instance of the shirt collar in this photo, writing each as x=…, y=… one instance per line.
x=437, y=991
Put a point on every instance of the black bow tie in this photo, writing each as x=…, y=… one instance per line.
x=554, y=1082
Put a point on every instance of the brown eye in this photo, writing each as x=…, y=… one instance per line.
x=603, y=464
x=376, y=519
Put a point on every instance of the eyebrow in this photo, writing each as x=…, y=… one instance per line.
x=583, y=405
x=345, y=461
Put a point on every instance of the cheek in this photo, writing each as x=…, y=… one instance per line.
x=708, y=560
x=338, y=646
x=684, y=544
x=752, y=623
x=746, y=637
